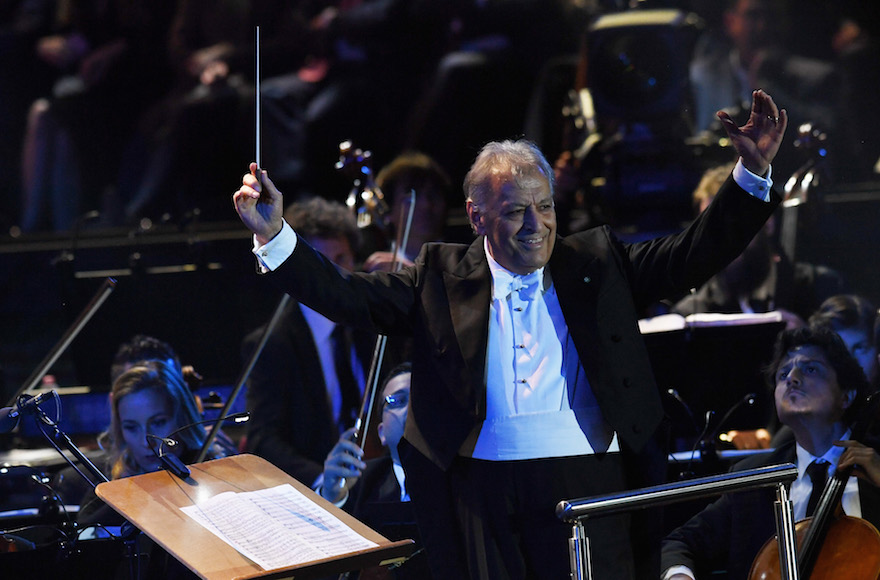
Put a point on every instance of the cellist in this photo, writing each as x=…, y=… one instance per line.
x=818, y=390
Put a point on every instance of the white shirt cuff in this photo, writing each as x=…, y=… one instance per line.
x=670, y=572
x=755, y=185
x=339, y=503
x=273, y=253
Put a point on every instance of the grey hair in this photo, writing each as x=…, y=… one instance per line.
x=501, y=161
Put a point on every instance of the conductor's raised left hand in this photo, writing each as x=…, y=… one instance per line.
x=758, y=141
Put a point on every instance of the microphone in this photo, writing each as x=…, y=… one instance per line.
x=749, y=400
x=707, y=444
x=687, y=473
x=9, y=416
x=173, y=463
x=687, y=408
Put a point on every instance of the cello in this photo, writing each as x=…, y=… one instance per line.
x=830, y=543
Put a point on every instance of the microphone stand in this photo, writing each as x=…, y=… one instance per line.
x=58, y=438
x=708, y=449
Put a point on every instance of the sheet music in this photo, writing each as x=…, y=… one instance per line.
x=276, y=527
x=670, y=322
x=742, y=319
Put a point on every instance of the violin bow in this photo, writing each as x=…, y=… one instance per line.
x=362, y=424
x=365, y=417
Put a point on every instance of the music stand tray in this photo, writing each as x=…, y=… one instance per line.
x=153, y=502
x=713, y=361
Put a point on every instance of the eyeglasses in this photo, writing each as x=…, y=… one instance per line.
x=396, y=400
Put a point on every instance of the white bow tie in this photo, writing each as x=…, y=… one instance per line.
x=505, y=283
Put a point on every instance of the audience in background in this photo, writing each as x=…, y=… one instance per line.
x=113, y=63
x=205, y=119
x=24, y=77
x=146, y=96
x=369, y=64
x=855, y=146
x=752, y=49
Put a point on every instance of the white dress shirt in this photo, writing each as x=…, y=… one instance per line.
x=531, y=367
x=802, y=486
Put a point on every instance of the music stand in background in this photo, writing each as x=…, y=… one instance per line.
x=152, y=503
x=712, y=362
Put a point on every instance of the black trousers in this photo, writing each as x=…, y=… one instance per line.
x=492, y=520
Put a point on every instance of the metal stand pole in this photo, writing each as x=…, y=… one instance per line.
x=59, y=437
x=239, y=385
x=579, y=553
x=576, y=510
x=788, y=569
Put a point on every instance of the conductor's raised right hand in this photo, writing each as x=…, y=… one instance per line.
x=259, y=204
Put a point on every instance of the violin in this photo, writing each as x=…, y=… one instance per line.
x=830, y=543
x=365, y=198
x=373, y=215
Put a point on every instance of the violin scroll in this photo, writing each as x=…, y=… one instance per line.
x=365, y=198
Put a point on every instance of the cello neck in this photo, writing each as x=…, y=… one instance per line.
x=829, y=506
x=826, y=512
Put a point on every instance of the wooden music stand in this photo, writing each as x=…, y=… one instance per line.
x=152, y=503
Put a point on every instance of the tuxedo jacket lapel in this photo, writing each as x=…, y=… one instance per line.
x=469, y=290
x=577, y=278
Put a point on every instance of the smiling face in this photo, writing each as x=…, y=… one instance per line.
x=518, y=218
x=142, y=412
x=807, y=388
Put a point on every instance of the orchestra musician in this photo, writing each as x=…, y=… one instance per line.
x=303, y=391
x=483, y=484
x=148, y=401
x=374, y=491
x=818, y=388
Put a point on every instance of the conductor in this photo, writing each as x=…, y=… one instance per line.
x=531, y=382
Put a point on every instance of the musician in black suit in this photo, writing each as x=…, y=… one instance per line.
x=299, y=399
x=532, y=383
x=375, y=491
x=818, y=389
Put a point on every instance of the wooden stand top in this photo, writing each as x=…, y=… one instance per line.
x=152, y=503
